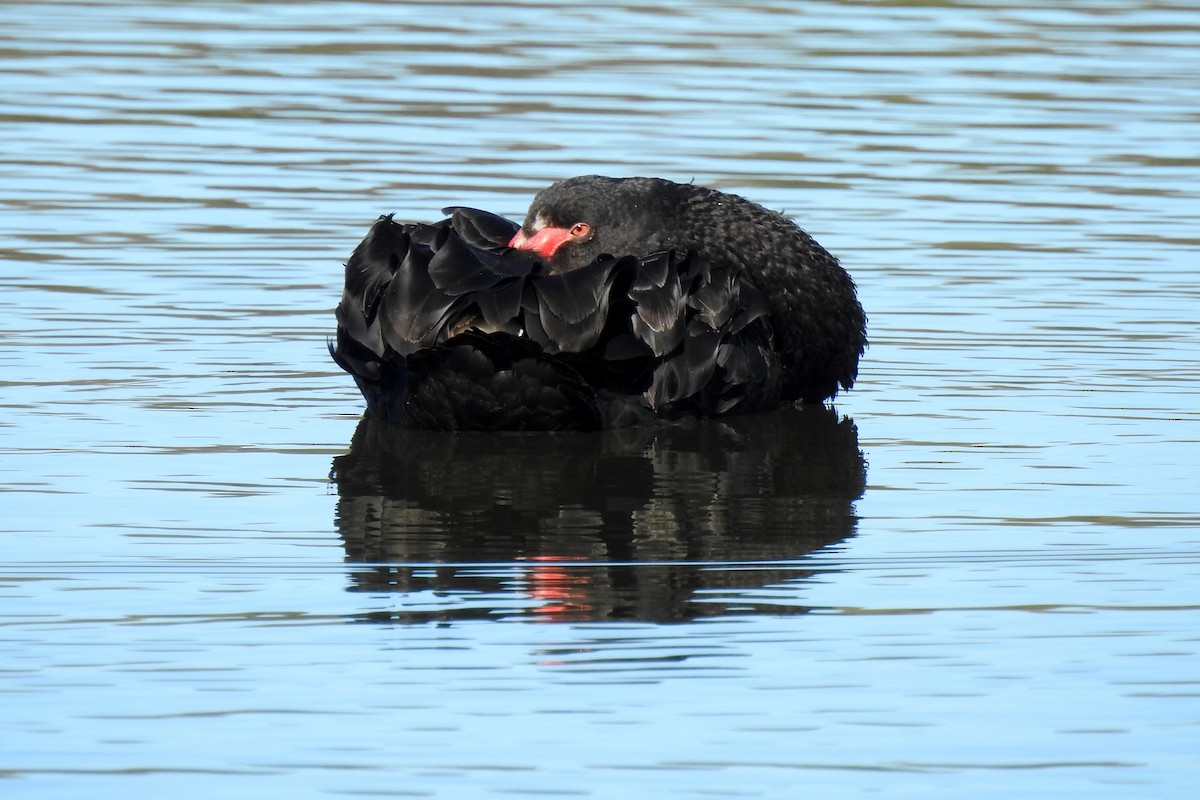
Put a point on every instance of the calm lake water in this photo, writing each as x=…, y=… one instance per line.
x=977, y=576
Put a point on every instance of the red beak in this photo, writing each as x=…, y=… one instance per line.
x=544, y=242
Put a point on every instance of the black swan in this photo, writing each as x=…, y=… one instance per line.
x=617, y=302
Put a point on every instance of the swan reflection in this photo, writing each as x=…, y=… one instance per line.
x=657, y=524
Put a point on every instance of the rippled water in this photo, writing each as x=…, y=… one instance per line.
x=976, y=576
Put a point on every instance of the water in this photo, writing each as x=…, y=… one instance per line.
x=976, y=575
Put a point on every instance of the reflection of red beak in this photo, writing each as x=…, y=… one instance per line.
x=563, y=592
x=544, y=242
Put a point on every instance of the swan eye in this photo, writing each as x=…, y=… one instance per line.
x=580, y=229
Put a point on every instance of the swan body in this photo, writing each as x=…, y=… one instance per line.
x=618, y=301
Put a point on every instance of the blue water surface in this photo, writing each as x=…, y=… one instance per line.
x=975, y=575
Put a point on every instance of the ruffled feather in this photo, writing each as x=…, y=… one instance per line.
x=444, y=327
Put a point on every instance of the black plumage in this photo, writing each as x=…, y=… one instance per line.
x=618, y=301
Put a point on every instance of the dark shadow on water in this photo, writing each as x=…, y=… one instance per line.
x=629, y=524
